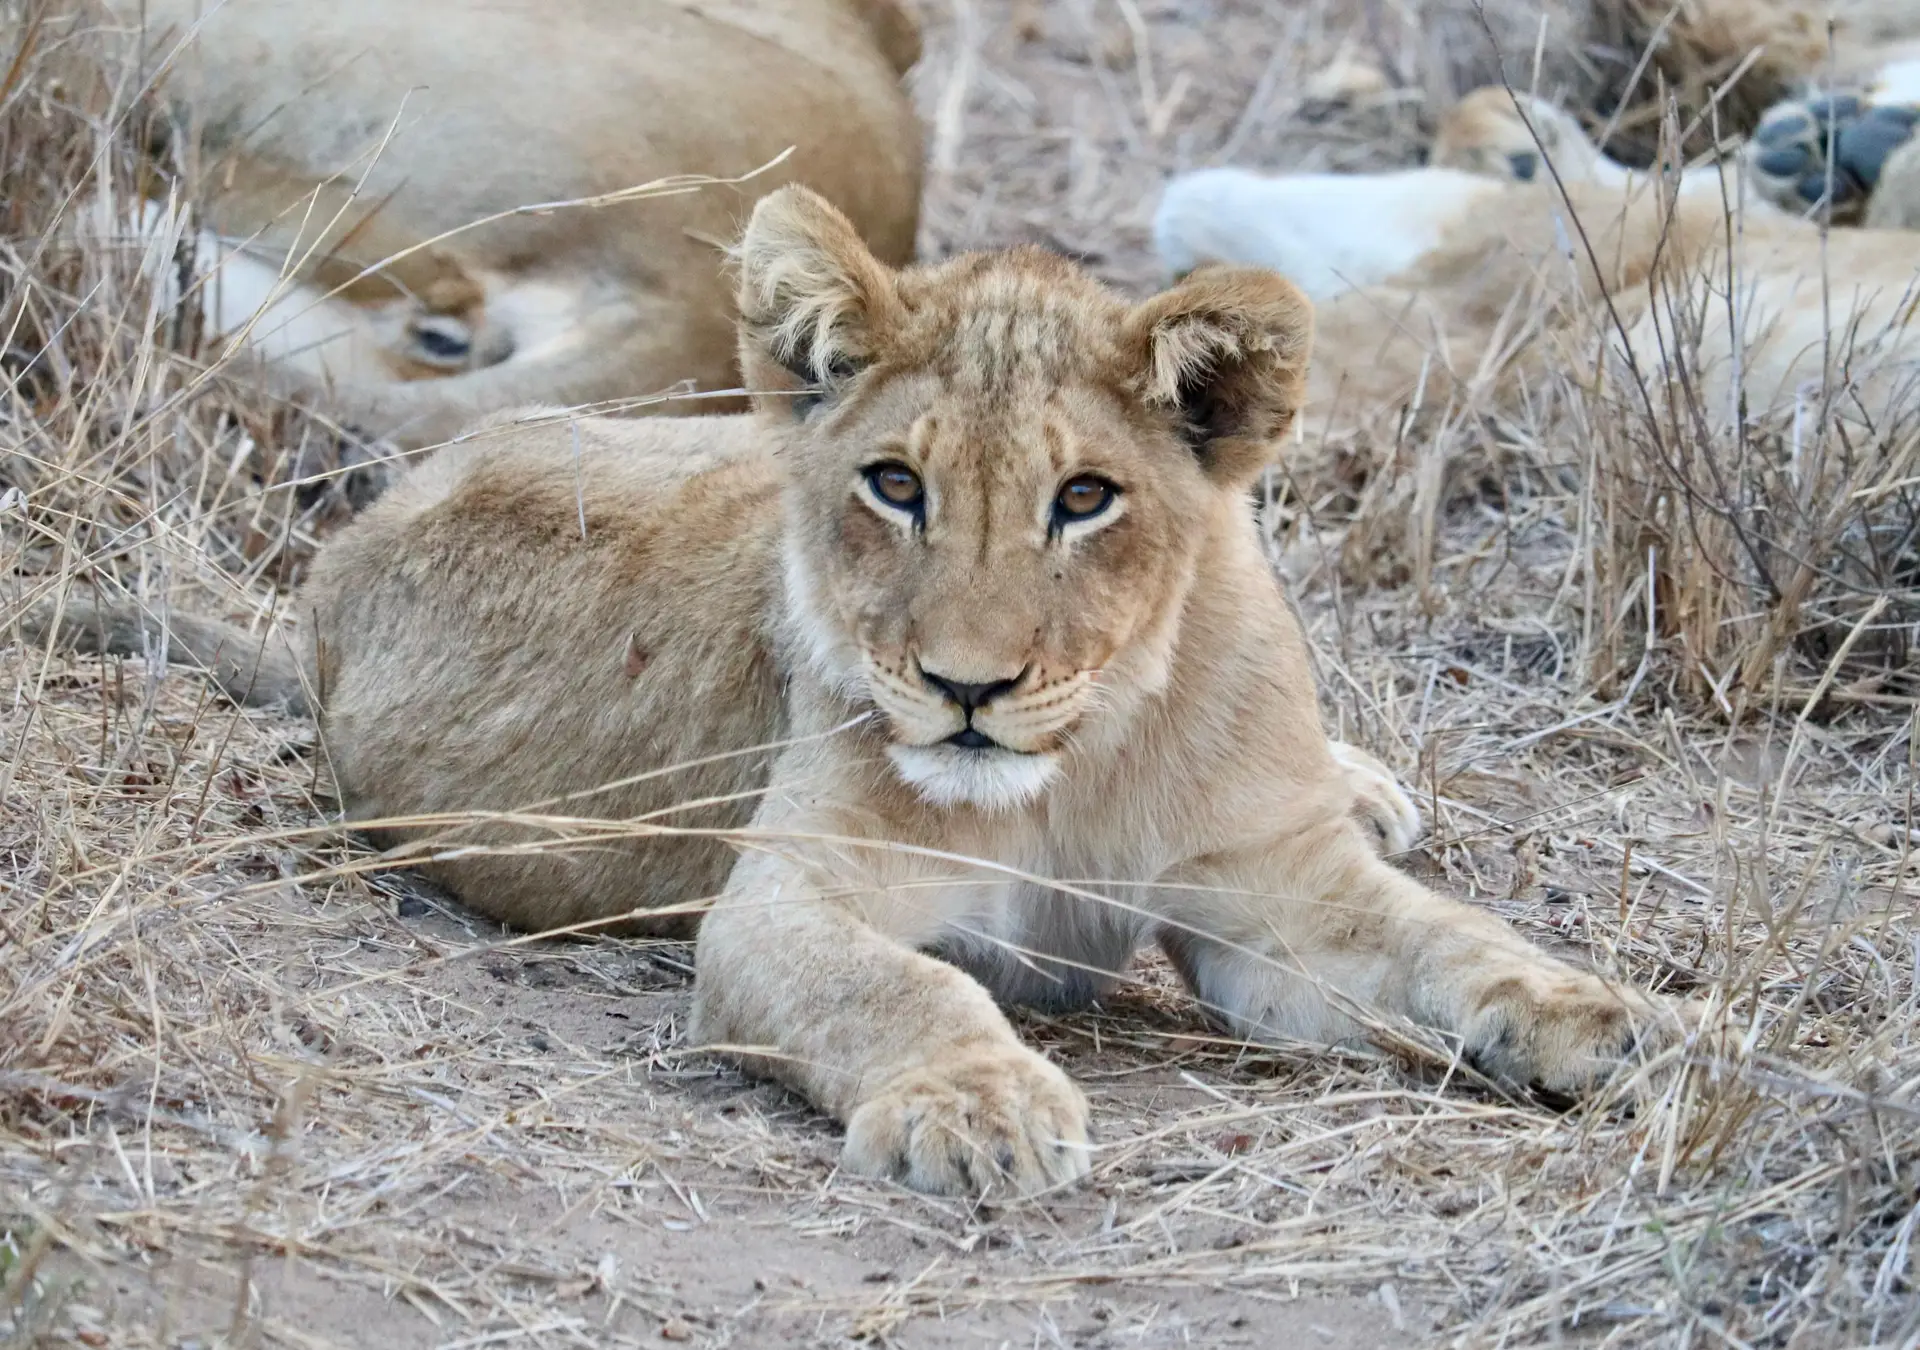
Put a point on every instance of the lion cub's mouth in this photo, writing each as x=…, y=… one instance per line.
x=972, y=738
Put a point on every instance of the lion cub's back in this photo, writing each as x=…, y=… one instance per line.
x=520, y=621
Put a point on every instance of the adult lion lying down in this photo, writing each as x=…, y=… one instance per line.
x=335, y=134
x=984, y=562
x=1446, y=274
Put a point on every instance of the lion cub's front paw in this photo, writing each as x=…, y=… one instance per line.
x=990, y=1120
x=1567, y=1031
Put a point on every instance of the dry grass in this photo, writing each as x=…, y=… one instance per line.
x=250, y=1092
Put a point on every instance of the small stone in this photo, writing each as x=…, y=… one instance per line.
x=674, y=1329
x=1899, y=114
x=1344, y=80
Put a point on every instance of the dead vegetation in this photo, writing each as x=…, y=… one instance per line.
x=1652, y=678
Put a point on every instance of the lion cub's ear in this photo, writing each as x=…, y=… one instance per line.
x=811, y=299
x=1226, y=351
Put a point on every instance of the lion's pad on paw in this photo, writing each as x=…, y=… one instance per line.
x=996, y=1120
x=1569, y=1033
x=1788, y=154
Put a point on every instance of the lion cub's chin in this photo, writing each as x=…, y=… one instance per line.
x=993, y=779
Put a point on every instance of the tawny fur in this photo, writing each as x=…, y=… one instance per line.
x=1895, y=204
x=737, y=582
x=333, y=136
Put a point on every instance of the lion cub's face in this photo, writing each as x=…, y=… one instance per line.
x=1000, y=476
x=988, y=558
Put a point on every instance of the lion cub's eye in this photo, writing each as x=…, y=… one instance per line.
x=897, y=486
x=1082, y=498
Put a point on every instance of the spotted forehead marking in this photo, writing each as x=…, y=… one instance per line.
x=996, y=349
x=939, y=444
x=1013, y=331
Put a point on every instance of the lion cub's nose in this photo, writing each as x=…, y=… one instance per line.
x=969, y=696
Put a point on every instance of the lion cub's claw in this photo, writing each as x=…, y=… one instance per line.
x=1569, y=1032
x=995, y=1121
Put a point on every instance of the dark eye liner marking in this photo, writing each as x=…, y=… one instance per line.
x=898, y=488
x=1083, y=497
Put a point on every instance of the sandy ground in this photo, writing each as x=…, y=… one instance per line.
x=669, y=1198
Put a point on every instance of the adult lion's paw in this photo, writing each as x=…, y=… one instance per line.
x=1379, y=802
x=1568, y=1031
x=994, y=1120
x=1788, y=155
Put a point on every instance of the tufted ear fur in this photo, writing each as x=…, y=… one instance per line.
x=1226, y=352
x=812, y=299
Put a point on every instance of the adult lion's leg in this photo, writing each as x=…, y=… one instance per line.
x=1312, y=935
x=935, y=1088
x=614, y=361
x=1896, y=201
x=1842, y=150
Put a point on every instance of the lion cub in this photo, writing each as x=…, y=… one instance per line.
x=983, y=564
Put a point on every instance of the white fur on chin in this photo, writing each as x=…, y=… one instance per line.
x=994, y=780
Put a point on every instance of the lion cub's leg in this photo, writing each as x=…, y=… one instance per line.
x=935, y=1088
x=1312, y=935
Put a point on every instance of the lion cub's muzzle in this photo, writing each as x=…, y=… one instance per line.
x=991, y=742
x=1023, y=711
